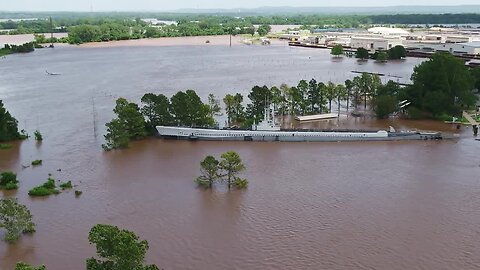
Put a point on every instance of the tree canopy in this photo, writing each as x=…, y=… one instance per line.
x=337, y=50
x=226, y=169
x=8, y=125
x=15, y=218
x=117, y=249
x=362, y=53
x=441, y=85
x=129, y=125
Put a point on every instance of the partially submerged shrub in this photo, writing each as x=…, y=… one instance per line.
x=78, y=193
x=37, y=162
x=66, y=185
x=38, y=135
x=8, y=181
x=46, y=189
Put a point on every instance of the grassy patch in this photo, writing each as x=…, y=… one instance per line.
x=37, y=162
x=46, y=189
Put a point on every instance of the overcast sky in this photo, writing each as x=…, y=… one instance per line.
x=159, y=5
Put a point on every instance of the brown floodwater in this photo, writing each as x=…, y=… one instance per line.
x=372, y=205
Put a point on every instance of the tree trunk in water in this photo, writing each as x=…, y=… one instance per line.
x=348, y=99
x=330, y=105
x=365, y=105
x=338, y=103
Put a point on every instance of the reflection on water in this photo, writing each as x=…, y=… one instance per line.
x=376, y=205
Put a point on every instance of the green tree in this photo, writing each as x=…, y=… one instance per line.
x=260, y=97
x=189, y=110
x=8, y=126
x=129, y=125
x=263, y=29
x=385, y=100
x=214, y=106
x=156, y=109
x=15, y=218
x=367, y=85
x=117, y=249
x=301, y=96
x=381, y=56
x=25, y=266
x=441, y=85
x=337, y=50
x=342, y=94
x=234, y=108
x=232, y=165
x=397, y=52
x=330, y=94
x=362, y=53
x=209, y=168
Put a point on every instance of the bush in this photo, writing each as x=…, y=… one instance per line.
x=11, y=186
x=7, y=177
x=66, y=185
x=46, y=189
x=38, y=135
x=78, y=193
x=37, y=162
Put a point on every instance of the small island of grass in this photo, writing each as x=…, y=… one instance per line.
x=46, y=189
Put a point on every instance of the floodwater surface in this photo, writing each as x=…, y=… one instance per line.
x=372, y=205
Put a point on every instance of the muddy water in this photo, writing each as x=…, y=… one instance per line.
x=381, y=205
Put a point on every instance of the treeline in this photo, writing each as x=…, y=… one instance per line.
x=217, y=24
x=442, y=87
x=187, y=109
x=464, y=18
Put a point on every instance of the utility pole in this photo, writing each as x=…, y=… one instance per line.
x=51, y=32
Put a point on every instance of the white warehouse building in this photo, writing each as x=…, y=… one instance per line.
x=471, y=48
x=374, y=43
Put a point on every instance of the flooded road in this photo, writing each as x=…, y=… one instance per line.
x=378, y=205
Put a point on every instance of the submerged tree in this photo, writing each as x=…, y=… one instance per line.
x=362, y=53
x=15, y=218
x=337, y=50
x=129, y=125
x=210, y=172
x=189, y=110
x=441, y=85
x=117, y=249
x=232, y=165
x=156, y=109
x=385, y=101
x=227, y=169
x=8, y=126
x=234, y=109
